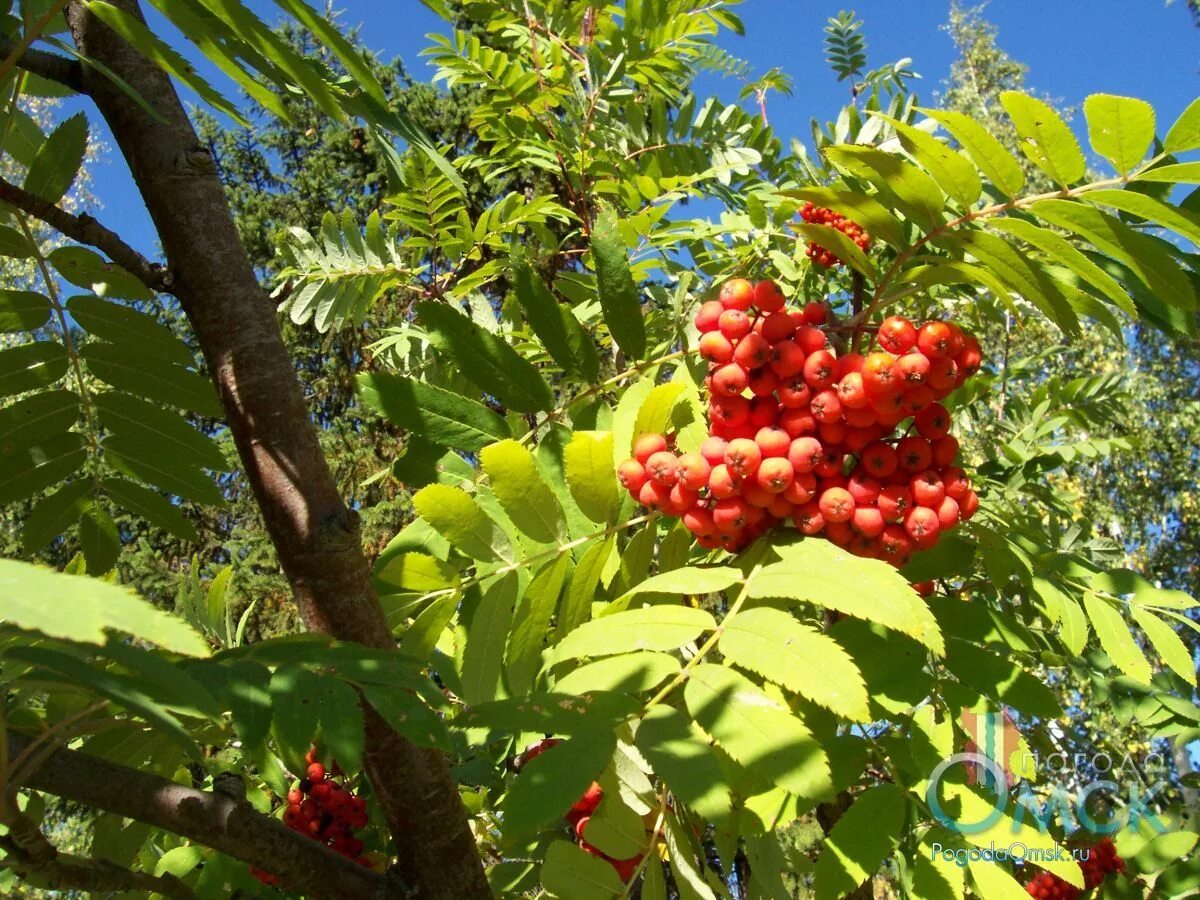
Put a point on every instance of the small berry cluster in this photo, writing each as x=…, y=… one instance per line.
x=821, y=215
x=580, y=814
x=815, y=441
x=1102, y=861
x=325, y=811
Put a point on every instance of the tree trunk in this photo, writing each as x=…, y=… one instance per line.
x=316, y=537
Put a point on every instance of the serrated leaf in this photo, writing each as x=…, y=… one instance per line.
x=36, y=418
x=552, y=781
x=166, y=433
x=837, y=243
x=415, y=572
x=54, y=514
x=543, y=312
x=1116, y=639
x=1045, y=138
x=992, y=158
x=78, y=608
x=1169, y=217
x=868, y=212
x=86, y=269
x=816, y=571
x=99, y=540
x=58, y=160
x=123, y=325
x=999, y=676
x=773, y=644
x=918, y=195
x=23, y=310
x=442, y=416
x=1121, y=129
x=953, y=172
x=692, y=580
x=618, y=294
x=1169, y=645
x=551, y=713
x=456, y=516
x=514, y=478
x=625, y=419
x=158, y=467
x=615, y=829
x=29, y=470
x=649, y=628
x=1177, y=173
x=682, y=756
x=488, y=361
x=1164, y=850
x=151, y=378
x=629, y=673
x=654, y=412
x=759, y=732
x=341, y=722
x=576, y=607
x=570, y=872
x=487, y=632
x=1184, y=134
x=862, y=838
x=589, y=472
x=296, y=715
x=152, y=507
x=28, y=367
x=993, y=882
x=530, y=624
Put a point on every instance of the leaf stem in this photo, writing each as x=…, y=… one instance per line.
x=641, y=866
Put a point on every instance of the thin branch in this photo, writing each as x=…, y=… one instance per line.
x=51, y=66
x=221, y=820
x=32, y=33
x=39, y=863
x=86, y=230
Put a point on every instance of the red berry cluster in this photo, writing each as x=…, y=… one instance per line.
x=799, y=434
x=1102, y=860
x=820, y=215
x=580, y=814
x=325, y=811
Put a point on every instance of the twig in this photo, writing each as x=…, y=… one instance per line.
x=31, y=34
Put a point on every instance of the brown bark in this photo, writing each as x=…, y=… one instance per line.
x=316, y=537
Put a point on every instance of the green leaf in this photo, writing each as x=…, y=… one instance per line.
x=58, y=160
x=993, y=160
x=953, y=172
x=1045, y=138
x=152, y=507
x=341, y=722
x=999, y=676
x=576, y=605
x=780, y=649
x=487, y=633
x=164, y=432
x=1116, y=639
x=862, y=838
x=841, y=246
x=545, y=314
x=615, y=829
x=993, y=882
x=872, y=215
x=1164, y=850
x=159, y=468
x=123, y=325
x=54, y=514
x=649, y=628
x=918, y=195
x=759, y=732
x=531, y=623
x=421, y=637
x=36, y=418
x=570, y=872
x=295, y=713
x=681, y=755
x=1170, y=647
x=28, y=367
x=1170, y=217
x=441, y=416
x=86, y=269
x=1062, y=251
x=1185, y=133
x=625, y=419
x=179, y=861
x=1179, y=173
x=13, y=243
x=416, y=572
x=1121, y=129
x=629, y=673
x=552, y=781
x=619, y=297
x=816, y=571
x=488, y=361
x=99, y=540
x=456, y=516
x=589, y=472
x=654, y=412
x=152, y=378
x=518, y=484
x=32, y=469
x=551, y=713
x=77, y=608
x=23, y=310
x=692, y=581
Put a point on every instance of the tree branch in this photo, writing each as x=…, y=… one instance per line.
x=86, y=230
x=51, y=66
x=218, y=820
x=39, y=863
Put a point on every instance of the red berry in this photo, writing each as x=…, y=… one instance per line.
x=708, y=315
x=715, y=347
x=815, y=313
x=933, y=421
x=775, y=474
x=752, y=351
x=768, y=297
x=663, y=468
x=632, y=475
x=896, y=335
x=836, y=505
x=935, y=339
x=647, y=445
x=315, y=772
x=743, y=457
x=737, y=293
x=734, y=324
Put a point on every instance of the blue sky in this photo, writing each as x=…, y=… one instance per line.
x=1140, y=48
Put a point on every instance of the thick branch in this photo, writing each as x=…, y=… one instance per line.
x=51, y=66
x=316, y=537
x=218, y=820
x=87, y=230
